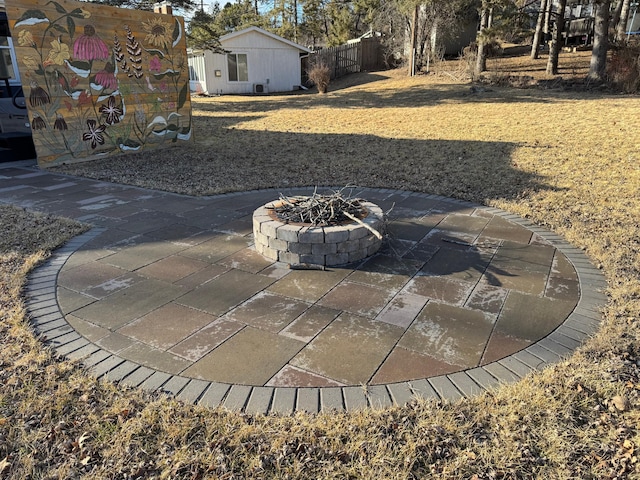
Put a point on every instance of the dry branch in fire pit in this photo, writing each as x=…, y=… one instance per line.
x=319, y=210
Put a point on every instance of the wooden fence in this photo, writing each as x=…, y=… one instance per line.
x=361, y=56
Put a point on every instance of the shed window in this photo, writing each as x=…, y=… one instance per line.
x=237, y=64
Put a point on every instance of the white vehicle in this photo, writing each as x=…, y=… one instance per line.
x=15, y=130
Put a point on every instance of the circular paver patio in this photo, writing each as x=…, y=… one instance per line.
x=167, y=292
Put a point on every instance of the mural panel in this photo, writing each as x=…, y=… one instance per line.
x=100, y=80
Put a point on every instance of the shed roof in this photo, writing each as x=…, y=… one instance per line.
x=239, y=33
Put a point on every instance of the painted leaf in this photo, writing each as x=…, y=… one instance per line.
x=154, y=51
x=166, y=73
x=59, y=8
x=159, y=120
x=130, y=145
x=71, y=26
x=177, y=32
x=59, y=28
x=76, y=12
x=82, y=69
x=95, y=86
x=182, y=96
x=184, y=134
x=32, y=17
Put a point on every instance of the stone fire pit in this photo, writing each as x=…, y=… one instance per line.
x=298, y=243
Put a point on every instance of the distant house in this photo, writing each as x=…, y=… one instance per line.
x=257, y=62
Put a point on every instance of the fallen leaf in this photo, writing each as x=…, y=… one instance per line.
x=83, y=438
x=619, y=402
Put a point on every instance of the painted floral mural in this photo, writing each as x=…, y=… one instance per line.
x=100, y=80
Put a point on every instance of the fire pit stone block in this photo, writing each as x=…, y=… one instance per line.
x=326, y=246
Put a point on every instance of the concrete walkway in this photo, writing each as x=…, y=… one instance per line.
x=167, y=292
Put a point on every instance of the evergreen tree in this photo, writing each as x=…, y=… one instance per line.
x=340, y=19
x=313, y=26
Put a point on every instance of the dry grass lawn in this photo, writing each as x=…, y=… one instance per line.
x=566, y=160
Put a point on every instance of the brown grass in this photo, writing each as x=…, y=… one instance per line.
x=567, y=161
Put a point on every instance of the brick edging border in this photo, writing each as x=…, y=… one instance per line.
x=51, y=326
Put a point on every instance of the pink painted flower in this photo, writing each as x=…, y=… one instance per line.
x=106, y=77
x=89, y=46
x=154, y=64
x=163, y=87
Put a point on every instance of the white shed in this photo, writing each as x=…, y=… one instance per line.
x=258, y=62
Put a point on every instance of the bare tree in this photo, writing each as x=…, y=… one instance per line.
x=554, y=48
x=414, y=41
x=547, y=18
x=598, y=64
x=622, y=20
x=481, y=58
x=535, y=47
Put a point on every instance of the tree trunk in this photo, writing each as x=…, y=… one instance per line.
x=554, y=48
x=481, y=59
x=535, y=48
x=600, y=42
x=547, y=17
x=295, y=20
x=622, y=21
x=615, y=16
x=414, y=41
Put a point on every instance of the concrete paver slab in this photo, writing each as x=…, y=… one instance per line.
x=440, y=289
x=268, y=311
x=531, y=318
x=202, y=342
x=350, y=350
x=217, y=248
x=402, y=309
x=172, y=269
x=358, y=299
x=130, y=303
x=310, y=323
x=154, y=358
x=403, y=364
x=166, y=326
x=452, y=334
x=225, y=292
x=251, y=357
x=308, y=285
